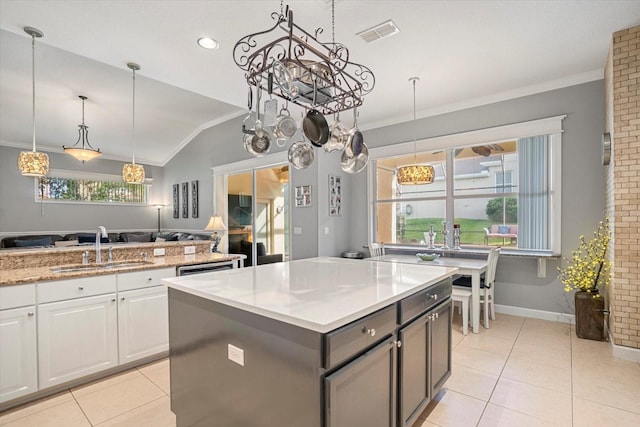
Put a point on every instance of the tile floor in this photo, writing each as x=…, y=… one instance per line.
x=520, y=372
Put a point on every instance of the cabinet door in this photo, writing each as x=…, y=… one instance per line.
x=18, y=375
x=76, y=338
x=143, y=323
x=440, y=346
x=362, y=393
x=413, y=370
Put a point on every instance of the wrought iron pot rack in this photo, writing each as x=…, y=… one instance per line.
x=322, y=77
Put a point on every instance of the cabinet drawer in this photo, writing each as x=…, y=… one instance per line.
x=17, y=296
x=412, y=306
x=60, y=290
x=143, y=279
x=357, y=336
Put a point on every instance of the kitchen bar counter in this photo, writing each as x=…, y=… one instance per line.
x=16, y=276
x=319, y=342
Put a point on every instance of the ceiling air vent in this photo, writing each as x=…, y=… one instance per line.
x=380, y=31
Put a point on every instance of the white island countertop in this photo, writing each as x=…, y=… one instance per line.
x=319, y=294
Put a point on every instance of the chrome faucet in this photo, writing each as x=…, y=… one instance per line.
x=102, y=232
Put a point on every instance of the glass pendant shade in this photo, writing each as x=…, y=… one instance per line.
x=32, y=163
x=415, y=174
x=133, y=173
x=82, y=149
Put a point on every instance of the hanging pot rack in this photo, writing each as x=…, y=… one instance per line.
x=324, y=77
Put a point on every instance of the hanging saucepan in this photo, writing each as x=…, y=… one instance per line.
x=355, y=164
x=258, y=144
x=284, y=80
x=301, y=154
x=314, y=124
x=355, y=141
x=285, y=127
x=337, y=136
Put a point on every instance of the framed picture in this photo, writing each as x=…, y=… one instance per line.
x=335, y=195
x=176, y=200
x=185, y=200
x=303, y=196
x=194, y=199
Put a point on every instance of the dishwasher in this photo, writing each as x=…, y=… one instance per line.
x=187, y=270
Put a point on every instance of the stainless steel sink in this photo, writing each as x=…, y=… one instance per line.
x=92, y=267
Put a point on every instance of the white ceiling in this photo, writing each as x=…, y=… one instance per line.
x=465, y=52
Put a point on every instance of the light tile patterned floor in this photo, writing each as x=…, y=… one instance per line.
x=520, y=372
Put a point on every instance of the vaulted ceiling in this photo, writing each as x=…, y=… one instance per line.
x=465, y=52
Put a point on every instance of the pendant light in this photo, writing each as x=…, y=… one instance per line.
x=32, y=163
x=415, y=174
x=132, y=173
x=85, y=151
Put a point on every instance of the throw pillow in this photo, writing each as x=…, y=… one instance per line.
x=160, y=239
x=45, y=241
x=65, y=243
x=143, y=237
x=503, y=229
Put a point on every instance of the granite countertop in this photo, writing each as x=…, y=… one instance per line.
x=319, y=294
x=17, y=276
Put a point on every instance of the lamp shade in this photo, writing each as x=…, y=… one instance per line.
x=82, y=154
x=215, y=224
x=133, y=173
x=415, y=174
x=33, y=163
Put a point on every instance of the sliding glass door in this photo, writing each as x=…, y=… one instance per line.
x=258, y=214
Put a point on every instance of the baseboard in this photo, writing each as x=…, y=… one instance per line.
x=622, y=352
x=536, y=314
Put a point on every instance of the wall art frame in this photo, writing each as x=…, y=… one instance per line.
x=194, y=199
x=185, y=200
x=335, y=195
x=176, y=200
x=303, y=196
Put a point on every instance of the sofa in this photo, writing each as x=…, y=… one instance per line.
x=243, y=246
x=72, y=239
x=501, y=231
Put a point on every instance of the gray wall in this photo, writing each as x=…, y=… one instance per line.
x=19, y=213
x=582, y=180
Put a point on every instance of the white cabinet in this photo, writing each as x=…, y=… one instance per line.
x=143, y=323
x=76, y=337
x=143, y=314
x=18, y=355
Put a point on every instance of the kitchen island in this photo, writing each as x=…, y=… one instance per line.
x=315, y=342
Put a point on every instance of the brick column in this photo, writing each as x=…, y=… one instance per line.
x=625, y=292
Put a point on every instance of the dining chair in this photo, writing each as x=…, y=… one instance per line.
x=487, y=285
x=463, y=296
x=376, y=249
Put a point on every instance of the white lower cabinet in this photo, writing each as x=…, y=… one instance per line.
x=18, y=353
x=143, y=323
x=76, y=338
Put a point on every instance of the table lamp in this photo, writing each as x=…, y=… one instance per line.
x=215, y=224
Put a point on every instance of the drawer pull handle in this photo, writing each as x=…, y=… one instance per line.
x=30, y=314
x=81, y=288
x=398, y=343
x=368, y=331
x=122, y=299
x=434, y=297
x=113, y=300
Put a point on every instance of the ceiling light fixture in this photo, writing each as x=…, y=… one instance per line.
x=415, y=174
x=86, y=151
x=208, y=43
x=131, y=172
x=32, y=163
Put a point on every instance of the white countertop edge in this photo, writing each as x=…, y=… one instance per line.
x=305, y=324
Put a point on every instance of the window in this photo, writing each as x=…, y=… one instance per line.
x=501, y=185
x=69, y=187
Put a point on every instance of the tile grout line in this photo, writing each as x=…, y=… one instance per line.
x=153, y=382
x=500, y=375
x=81, y=408
x=126, y=412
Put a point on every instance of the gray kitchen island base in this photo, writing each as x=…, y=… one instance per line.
x=235, y=363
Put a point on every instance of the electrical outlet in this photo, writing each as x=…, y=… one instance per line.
x=235, y=354
x=297, y=230
x=189, y=250
x=326, y=231
x=158, y=252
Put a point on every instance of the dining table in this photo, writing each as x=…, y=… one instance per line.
x=473, y=267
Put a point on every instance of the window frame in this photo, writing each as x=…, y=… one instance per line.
x=551, y=126
x=77, y=175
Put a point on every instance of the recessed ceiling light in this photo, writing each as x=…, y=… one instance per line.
x=208, y=43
